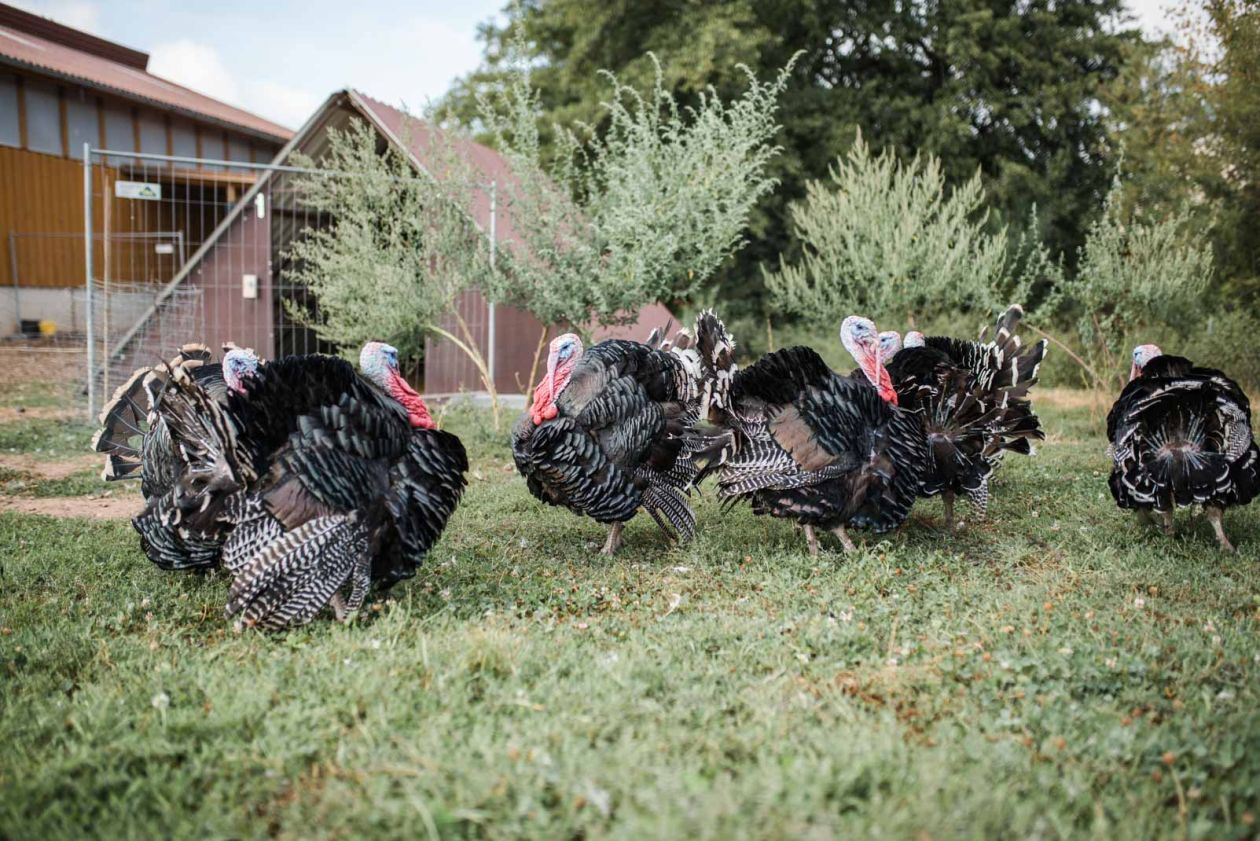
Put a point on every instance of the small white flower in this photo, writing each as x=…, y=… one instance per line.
x=1139, y=602
x=160, y=701
x=1110, y=662
x=1209, y=627
x=1065, y=650
x=523, y=543
x=1216, y=640
x=376, y=644
x=891, y=661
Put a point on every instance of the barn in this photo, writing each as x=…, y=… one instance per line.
x=239, y=276
x=138, y=215
x=61, y=89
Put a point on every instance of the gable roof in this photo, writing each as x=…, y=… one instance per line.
x=34, y=43
x=393, y=124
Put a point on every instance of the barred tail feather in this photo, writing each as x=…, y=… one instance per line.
x=123, y=419
x=296, y=576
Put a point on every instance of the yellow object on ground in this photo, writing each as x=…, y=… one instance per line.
x=47, y=328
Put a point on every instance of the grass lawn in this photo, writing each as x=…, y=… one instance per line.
x=1055, y=672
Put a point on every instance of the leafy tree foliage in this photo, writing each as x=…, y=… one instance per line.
x=400, y=248
x=644, y=211
x=885, y=238
x=1006, y=87
x=1187, y=114
x=1135, y=278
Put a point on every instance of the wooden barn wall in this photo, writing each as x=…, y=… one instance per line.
x=448, y=370
x=41, y=193
x=227, y=316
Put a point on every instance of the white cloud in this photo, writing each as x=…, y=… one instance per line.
x=80, y=14
x=200, y=67
x=286, y=105
x=196, y=66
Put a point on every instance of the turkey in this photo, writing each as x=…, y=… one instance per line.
x=1181, y=435
x=136, y=412
x=359, y=487
x=973, y=401
x=605, y=434
x=801, y=442
x=889, y=345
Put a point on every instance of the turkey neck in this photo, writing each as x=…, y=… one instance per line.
x=547, y=392
x=417, y=412
x=873, y=366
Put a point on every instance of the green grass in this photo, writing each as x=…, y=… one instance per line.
x=1056, y=672
x=35, y=394
x=46, y=437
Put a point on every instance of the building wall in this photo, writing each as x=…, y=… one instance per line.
x=42, y=130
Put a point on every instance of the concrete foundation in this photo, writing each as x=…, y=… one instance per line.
x=67, y=308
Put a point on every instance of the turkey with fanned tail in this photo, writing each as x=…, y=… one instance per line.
x=1181, y=435
x=357, y=492
x=605, y=434
x=135, y=436
x=973, y=400
x=801, y=442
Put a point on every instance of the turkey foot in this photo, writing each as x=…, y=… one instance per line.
x=1145, y=517
x=845, y=540
x=614, y=540
x=1214, y=517
x=1168, y=521
x=338, y=604
x=811, y=537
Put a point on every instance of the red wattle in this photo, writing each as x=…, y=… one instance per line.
x=417, y=413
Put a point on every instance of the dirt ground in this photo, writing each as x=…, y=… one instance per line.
x=82, y=507
x=40, y=360
x=46, y=469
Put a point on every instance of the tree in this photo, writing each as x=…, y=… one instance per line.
x=884, y=238
x=1006, y=87
x=1134, y=278
x=645, y=211
x=1186, y=113
x=399, y=250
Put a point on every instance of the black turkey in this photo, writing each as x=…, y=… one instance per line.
x=801, y=442
x=1181, y=435
x=605, y=434
x=359, y=487
x=973, y=400
x=135, y=437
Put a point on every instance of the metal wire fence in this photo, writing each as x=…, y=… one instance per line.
x=184, y=250
x=181, y=250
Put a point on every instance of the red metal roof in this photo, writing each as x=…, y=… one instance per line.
x=35, y=43
x=487, y=164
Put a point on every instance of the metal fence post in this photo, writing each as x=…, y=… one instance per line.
x=87, y=278
x=490, y=326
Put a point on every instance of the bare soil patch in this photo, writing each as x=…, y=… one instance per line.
x=81, y=507
x=46, y=468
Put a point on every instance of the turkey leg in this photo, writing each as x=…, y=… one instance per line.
x=1214, y=517
x=338, y=604
x=1145, y=517
x=811, y=537
x=1168, y=521
x=845, y=540
x=614, y=540
x=948, y=498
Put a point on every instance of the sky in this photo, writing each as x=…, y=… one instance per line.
x=282, y=58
